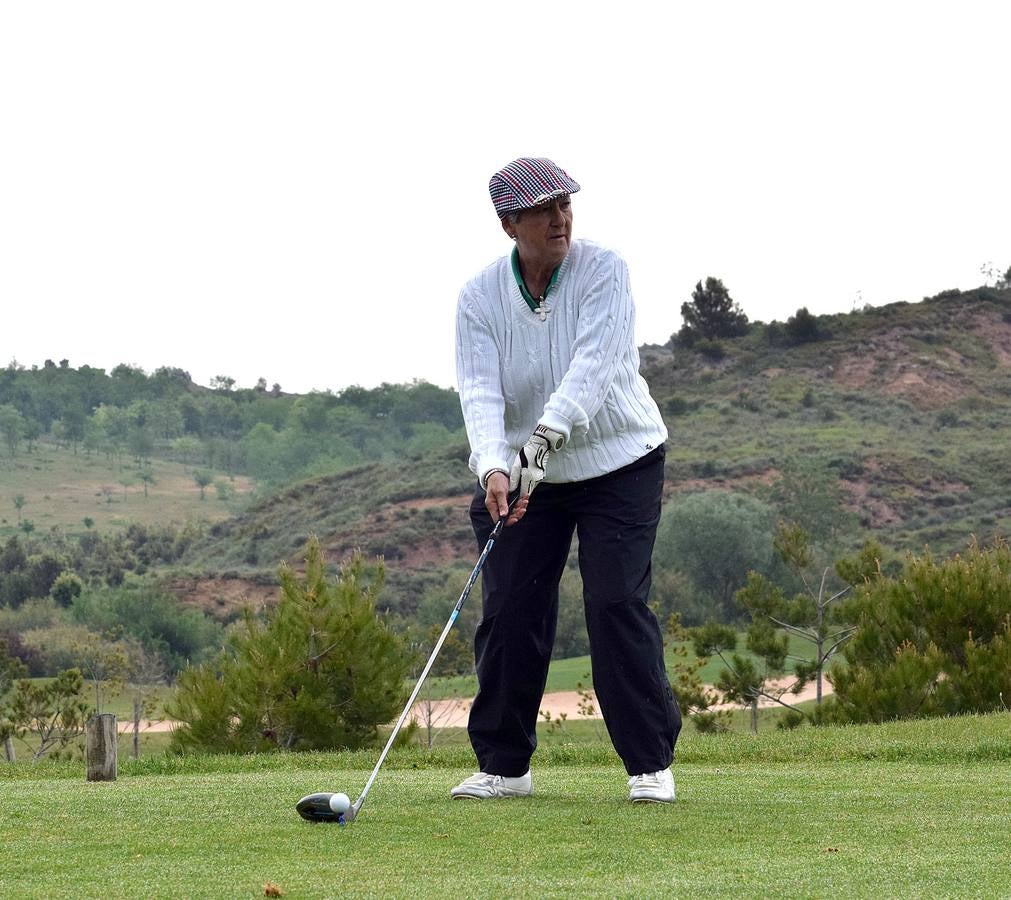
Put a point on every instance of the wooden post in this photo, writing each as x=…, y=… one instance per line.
x=102, y=747
x=137, y=710
x=9, y=750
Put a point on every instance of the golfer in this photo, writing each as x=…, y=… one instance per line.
x=552, y=398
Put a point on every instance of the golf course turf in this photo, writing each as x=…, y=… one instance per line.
x=904, y=809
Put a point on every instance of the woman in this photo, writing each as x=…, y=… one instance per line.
x=549, y=382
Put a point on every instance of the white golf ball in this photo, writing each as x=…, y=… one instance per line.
x=340, y=803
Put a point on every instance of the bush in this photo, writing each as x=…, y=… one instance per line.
x=802, y=327
x=676, y=406
x=154, y=618
x=66, y=588
x=934, y=640
x=712, y=350
x=321, y=671
x=715, y=538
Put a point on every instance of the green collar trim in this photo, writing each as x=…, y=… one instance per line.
x=534, y=305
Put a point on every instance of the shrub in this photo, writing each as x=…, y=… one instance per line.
x=675, y=406
x=933, y=640
x=154, y=618
x=321, y=671
x=802, y=327
x=715, y=538
x=712, y=350
x=66, y=588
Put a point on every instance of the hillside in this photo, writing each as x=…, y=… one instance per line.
x=893, y=418
x=413, y=515
x=906, y=405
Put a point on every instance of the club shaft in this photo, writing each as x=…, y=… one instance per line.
x=496, y=531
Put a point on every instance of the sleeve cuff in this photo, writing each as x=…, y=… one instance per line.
x=484, y=478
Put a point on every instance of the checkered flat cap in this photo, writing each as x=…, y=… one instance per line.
x=528, y=182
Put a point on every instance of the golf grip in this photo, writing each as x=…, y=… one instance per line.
x=495, y=532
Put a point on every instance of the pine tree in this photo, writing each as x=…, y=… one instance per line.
x=712, y=313
x=934, y=640
x=321, y=671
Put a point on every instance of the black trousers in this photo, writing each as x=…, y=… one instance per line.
x=615, y=517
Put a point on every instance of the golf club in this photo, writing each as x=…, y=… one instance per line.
x=318, y=807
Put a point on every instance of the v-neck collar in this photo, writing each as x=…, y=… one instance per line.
x=534, y=304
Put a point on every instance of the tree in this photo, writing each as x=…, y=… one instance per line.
x=933, y=640
x=147, y=478
x=808, y=493
x=127, y=480
x=11, y=669
x=146, y=673
x=104, y=663
x=811, y=614
x=222, y=383
x=322, y=670
x=186, y=449
x=203, y=478
x=73, y=423
x=802, y=327
x=66, y=588
x=153, y=618
x=140, y=442
x=53, y=712
x=716, y=538
x=694, y=698
x=12, y=427
x=743, y=680
x=32, y=432
x=19, y=504
x=712, y=313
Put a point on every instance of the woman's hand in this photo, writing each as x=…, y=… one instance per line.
x=496, y=500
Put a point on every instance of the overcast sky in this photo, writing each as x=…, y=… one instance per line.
x=298, y=190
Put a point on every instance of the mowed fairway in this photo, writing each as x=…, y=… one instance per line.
x=897, y=810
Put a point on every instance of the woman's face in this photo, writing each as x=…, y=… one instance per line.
x=544, y=232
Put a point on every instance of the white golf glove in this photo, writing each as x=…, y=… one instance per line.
x=530, y=465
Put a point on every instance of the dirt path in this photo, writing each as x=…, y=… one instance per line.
x=147, y=726
x=453, y=713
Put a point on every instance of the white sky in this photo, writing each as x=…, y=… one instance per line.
x=299, y=190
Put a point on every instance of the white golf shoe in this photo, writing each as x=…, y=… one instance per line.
x=482, y=786
x=652, y=787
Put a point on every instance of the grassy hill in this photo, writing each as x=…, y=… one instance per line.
x=61, y=488
x=904, y=409
x=908, y=406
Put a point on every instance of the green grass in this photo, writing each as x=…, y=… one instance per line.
x=908, y=809
x=61, y=489
x=570, y=674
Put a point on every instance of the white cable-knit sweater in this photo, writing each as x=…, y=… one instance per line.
x=577, y=371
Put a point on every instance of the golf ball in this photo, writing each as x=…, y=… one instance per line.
x=340, y=803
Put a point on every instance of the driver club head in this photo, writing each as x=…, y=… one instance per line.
x=316, y=808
